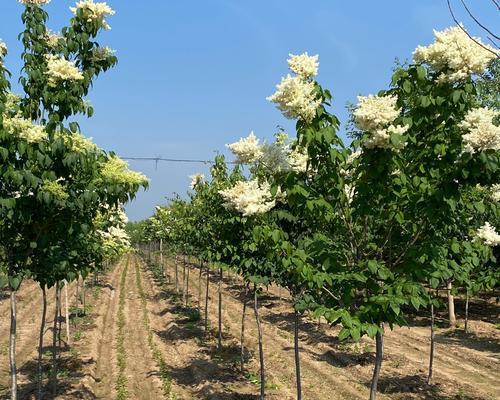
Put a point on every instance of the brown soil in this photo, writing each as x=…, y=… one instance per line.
x=466, y=366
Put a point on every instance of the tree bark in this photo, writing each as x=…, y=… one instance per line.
x=242, y=345
x=12, y=344
x=466, y=325
x=176, y=276
x=206, y=299
x=54, y=344
x=431, y=353
x=184, y=279
x=187, y=286
x=261, y=351
x=297, y=356
x=451, y=306
x=219, y=342
x=40, y=342
x=66, y=313
x=199, y=286
x=378, y=364
x=161, y=258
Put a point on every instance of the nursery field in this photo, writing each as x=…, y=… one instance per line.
x=158, y=325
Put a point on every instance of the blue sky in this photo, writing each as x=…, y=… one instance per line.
x=194, y=75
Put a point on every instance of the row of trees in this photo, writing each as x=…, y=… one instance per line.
x=361, y=235
x=61, y=196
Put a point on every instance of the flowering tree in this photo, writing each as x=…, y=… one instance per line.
x=54, y=181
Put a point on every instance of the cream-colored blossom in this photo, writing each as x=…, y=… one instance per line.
x=94, y=11
x=375, y=112
x=304, y=65
x=78, y=143
x=455, y=55
x=196, y=179
x=376, y=115
x=350, y=192
x=482, y=134
x=488, y=235
x=24, y=129
x=249, y=198
x=34, y=2
x=55, y=189
x=295, y=98
x=3, y=49
x=59, y=70
x=247, y=150
x=495, y=192
x=297, y=159
x=116, y=170
x=102, y=53
x=52, y=39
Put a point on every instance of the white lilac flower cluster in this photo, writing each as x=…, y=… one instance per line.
x=488, y=235
x=34, y=2
x=482, y=134
x=295, y=96
x=455, y=55
x=495, y=192
x=249, y=198
x=24, y=129
x=52, y=39
x=247, y=150
x=304, y=65
x=102, y=53
x=297, y=159
x=376, y=115
x=94, y=11
x=59, y=70
x=347, y=170
x=3, y=49
x=196, y=180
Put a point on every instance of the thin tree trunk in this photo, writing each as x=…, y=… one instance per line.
x=161, y=257
x=187, y=286
x=206, y=299
x=84, y=302
x=184, y=279
x=378, y=364
x=66, y=312
x=59, y=320
x=466, y=326
x=176, y=276
x=451, y=306
x=40, y=342
x=219, y=342
x=261, y=351
x=242, y=346
x=54, y=344
x=297, y=356
x=431, y=354
x=12, y=344
x=199, y=286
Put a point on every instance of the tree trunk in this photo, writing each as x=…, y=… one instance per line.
x=59, y=320
x=242, y=346
x=297, y=356
x=451, y=306
x=84, y=294
x=187, y=286
x=184, y=279
x=199, y=286
x=161, y=258
x=40, y=342
x=261, y=351
x=176, y=276
x=206, y=300
x=431, y=354
x=54, y=344
x=66, y=313
x=12, y=344
x=219, y=342
x=378, y=364
x=466, y=325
